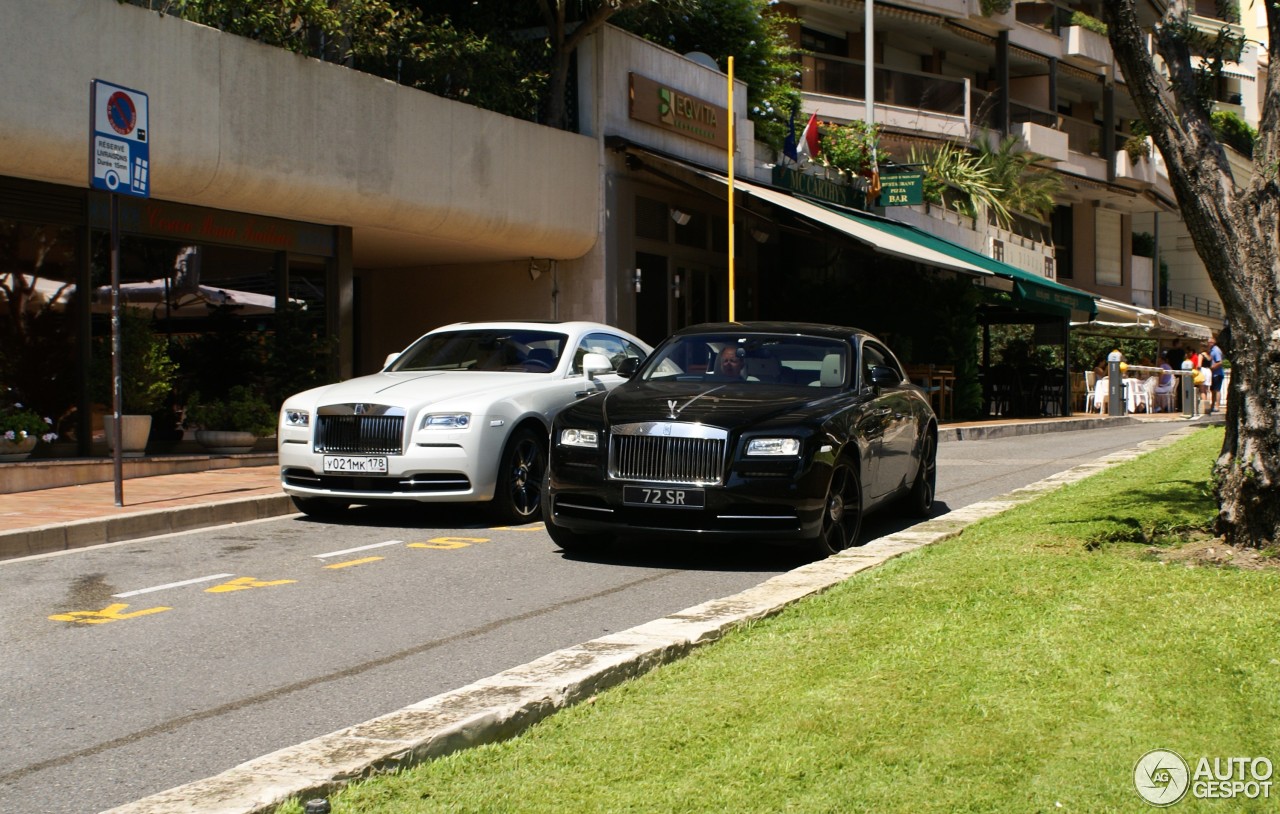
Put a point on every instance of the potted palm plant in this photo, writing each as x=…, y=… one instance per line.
x=147, y=374
x=232, y=424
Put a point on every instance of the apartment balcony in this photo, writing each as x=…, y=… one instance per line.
x=1080, y=45
x=835, y=88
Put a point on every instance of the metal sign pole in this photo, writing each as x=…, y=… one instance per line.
x=117, y=386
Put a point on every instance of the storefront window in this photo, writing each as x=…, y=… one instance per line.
x=37, y=328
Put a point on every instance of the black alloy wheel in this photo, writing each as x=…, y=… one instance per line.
x=920, y=499
x=520, y=473
x=841, y=514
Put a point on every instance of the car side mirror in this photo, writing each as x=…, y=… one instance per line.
x=882, y=376
x=391, y=357
x=629, y=367
x=594, y=364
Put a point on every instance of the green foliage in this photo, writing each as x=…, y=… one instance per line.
x=1090, y=23
x=992, y=7
x=955, y=178
x=1233, y=131
x=241, y=410
x=1023, y=186
x=1144, y=244
x=18, y=423
x=147, y=372
x=849, y=148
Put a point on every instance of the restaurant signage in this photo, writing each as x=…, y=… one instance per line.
x=665, y=107
x=901, y=189
x=194, y=224
x=815, y=186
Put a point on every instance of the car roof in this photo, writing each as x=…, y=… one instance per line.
x=568, y=326
x=800, y=328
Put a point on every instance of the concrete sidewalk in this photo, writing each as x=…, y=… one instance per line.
x=42, y=521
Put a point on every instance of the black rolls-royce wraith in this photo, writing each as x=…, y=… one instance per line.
x=767, y=431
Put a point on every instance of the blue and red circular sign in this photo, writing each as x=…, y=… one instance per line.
x=121, y=113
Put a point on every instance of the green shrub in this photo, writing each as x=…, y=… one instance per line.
x=241, y=411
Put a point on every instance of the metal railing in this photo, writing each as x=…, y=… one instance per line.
x=1190, y=302
x=835, y=76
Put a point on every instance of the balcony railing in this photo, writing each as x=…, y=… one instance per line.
x=834, y=76
x=1190, y=303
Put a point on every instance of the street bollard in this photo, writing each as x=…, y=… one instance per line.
x=1115, y=385
x=1189, y=406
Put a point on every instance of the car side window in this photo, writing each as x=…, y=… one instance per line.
x=614, y=348
x=873, y=356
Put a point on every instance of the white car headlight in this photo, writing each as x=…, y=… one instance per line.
x=580, y=438
x=297, y=418
x=774, y=446
x=445, y=421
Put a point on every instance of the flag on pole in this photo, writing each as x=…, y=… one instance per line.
x=789, y=143
x=808, y=146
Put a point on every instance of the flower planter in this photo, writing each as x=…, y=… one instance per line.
x=226, y=442
x=11, y=451
x=134, y=434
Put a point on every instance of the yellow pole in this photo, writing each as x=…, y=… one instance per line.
x=732, y=138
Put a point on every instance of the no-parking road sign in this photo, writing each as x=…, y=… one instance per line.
x=119, y=140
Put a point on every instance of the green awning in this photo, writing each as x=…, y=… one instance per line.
x=1031, y=290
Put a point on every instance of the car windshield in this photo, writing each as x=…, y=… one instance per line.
x=773, y=359
x=517, y=350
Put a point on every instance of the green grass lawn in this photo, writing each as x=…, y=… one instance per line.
x=1025, y=666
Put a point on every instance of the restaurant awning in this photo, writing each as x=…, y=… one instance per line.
x=1030, y=291
x=1118, y=319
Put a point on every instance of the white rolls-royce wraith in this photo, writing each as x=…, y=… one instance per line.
x=461, y=415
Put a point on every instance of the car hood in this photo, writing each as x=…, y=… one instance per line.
x=412, y=388
x=727, y=405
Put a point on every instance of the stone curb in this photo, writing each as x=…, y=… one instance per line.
x=96, y=531
x=503, y=705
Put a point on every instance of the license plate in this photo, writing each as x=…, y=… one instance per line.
x=665, y=498
x=356, y=465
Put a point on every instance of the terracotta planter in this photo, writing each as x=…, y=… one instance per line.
x=11, y=451
x=226, y=442
x=136, y=429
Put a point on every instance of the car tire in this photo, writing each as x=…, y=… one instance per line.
x=920, y=498
x=841, y=512
x=518, y=496
x=319, y=506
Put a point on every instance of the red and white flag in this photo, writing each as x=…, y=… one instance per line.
x=808, y=146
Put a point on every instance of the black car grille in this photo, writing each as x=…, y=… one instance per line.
x=360, y=434
x=664, y=452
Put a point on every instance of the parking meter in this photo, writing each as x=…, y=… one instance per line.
x=1115, y=385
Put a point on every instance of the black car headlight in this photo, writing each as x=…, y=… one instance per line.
x=582, y=439
x=773, y=447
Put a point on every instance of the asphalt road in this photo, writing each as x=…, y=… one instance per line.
x=134, y=667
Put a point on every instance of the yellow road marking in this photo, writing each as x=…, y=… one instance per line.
x=448, y=543
x=244, y=584
x=111, y=613
x=354, y=562
x=530, y=527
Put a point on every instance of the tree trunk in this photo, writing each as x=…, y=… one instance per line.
x=1234, y=231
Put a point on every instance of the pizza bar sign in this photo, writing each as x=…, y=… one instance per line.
x=662, y=106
